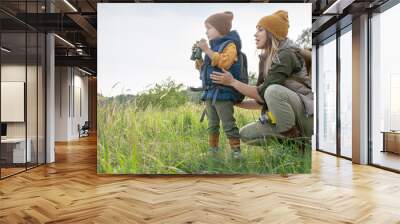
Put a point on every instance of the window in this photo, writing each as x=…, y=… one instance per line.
x=346, y=92
x=385, y=87
x=327, y=96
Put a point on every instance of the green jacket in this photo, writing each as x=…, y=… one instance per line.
x=290, y=71
x=278, y=72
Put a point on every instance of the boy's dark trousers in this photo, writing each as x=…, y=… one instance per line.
x=222, y=111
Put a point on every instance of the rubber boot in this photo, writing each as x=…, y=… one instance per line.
x=213, y=140
x=235, y=147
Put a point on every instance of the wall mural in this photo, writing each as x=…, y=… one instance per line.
x=204, y=88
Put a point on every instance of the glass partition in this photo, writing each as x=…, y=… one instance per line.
x=32, y=95
x=14, y=154
x=23, y=90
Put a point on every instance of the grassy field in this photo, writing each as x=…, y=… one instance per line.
x=173, y=141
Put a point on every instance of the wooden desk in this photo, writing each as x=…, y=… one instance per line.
x=391, y=141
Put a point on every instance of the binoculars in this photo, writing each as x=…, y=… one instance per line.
x=196, y=53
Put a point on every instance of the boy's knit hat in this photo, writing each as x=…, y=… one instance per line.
x=221, y=22
x=277, y=24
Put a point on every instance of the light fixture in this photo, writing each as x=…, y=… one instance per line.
x=338, y=6
x=80, y=51
x=70, y=5
x=5, y=50
x=64, y=40
x=84, y=71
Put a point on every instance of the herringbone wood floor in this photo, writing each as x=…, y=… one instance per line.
x=70, y=191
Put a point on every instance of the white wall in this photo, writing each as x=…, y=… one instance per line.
x=12, y=100
x=71, y=93
x=80, y=100
x=9, y=73
x=62, y=81
x=17, y=73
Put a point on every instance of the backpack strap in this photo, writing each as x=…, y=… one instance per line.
x=241, y=61
x=203, y=76
x=203, y=115
x=214, y=98
x=223, y=45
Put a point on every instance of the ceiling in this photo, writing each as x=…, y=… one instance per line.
x=76, y=21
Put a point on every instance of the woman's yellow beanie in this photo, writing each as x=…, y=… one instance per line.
x=277, y=24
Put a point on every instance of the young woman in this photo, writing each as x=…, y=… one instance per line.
x=283, y=86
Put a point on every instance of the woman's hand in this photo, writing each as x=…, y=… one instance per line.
x=226, y=78
x=223, y=78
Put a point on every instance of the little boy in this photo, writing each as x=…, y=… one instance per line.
x=222, y=54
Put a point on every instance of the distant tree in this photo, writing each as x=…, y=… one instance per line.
x=252, y=78
x=304, y=40
x=167, y=94
x=194, y=96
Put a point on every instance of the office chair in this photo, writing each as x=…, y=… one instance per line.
x=84, y=130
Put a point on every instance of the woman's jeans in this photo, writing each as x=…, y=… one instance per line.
x=288, y=109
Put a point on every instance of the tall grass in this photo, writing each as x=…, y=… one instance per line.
x=172, y=140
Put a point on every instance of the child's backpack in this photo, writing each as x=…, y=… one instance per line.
x=305, y=53
x=244, y=75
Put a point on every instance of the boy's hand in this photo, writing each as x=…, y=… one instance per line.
x=194, y=47
x=203, y=45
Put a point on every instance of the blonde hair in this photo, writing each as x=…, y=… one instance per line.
x=270, y=52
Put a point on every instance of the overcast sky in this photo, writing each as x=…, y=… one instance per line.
x=142, y=44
